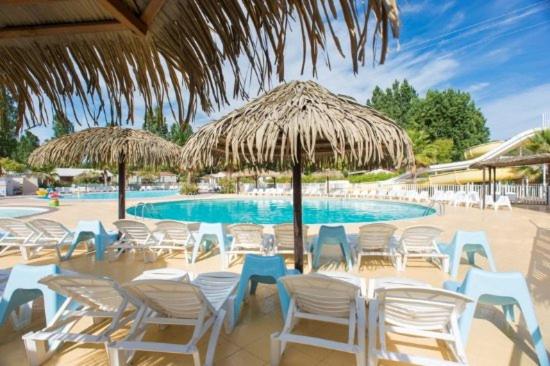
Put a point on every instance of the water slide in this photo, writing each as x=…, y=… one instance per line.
x=459, y=172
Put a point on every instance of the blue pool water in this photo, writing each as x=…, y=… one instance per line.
x=20, y=211
x=275, y=211
x=114, y=195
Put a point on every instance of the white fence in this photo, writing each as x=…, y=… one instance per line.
x=519, y=193
x=534, y=194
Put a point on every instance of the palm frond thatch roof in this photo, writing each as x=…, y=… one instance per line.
x=110, y=55
x=100, y=146
x=510, y=161
x=331, y=129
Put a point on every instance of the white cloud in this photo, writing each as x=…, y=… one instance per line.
x=477, y=87
x=517, y=112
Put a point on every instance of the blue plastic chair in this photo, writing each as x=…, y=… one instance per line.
x=332, y=235
x=88, y=230
x=471, y=242
x=262, y=269
x=23, y=286
x=504, y=289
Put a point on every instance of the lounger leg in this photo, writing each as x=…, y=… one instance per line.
x=372, y=328
x=254, y=286
x=213, y=341
x=37, y=350
x=196, y=358
x=117, y=357
x=275, y=349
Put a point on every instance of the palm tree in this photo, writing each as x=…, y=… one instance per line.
x=540, y=142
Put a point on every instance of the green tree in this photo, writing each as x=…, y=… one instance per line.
x=155, y=122
x=179, y=135
x=450, y=114
x=61, y=126
x=8, y=123
x=428, y=152
x=394, y=102
x=9, y=165
x=26, y=145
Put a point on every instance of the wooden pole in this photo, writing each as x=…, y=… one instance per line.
x=490, y=186
x=483, y=190
x=494, y=184
x=297, y=206
x=328, y=185
x=121, y=187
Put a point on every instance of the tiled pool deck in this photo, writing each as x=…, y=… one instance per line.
x=520, y=241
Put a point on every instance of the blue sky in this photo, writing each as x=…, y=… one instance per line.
x=498, y=50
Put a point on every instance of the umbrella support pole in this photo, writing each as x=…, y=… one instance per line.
x=297, y=207
x=121, y=189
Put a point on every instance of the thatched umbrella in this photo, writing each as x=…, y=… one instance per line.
x=295, y=124
x=108, y=146
x=111, y=55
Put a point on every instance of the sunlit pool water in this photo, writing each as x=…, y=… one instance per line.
x=275, y=211
x=114, y=195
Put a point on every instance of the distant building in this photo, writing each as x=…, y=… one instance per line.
x=67, y=175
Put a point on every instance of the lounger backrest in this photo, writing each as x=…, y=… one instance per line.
x=419, y=308
x=284, y=235
x=420, y=237
x=16, y=229
x=49, y=228
x=217, y=286
x=175, y=299
x=375, y=236
x=100, y=293
x=173, y=230
x=321, y=295
x=247, y=235
x=133, y=230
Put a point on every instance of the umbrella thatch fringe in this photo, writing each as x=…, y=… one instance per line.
x=101, y=146
x=183, y=53
x=332, y=130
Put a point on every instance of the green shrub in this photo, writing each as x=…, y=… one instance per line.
x=370, y=177
x=189, y=188
x=227, y=185
x=88, y=178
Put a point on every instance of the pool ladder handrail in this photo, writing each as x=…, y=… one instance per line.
x=143, y=206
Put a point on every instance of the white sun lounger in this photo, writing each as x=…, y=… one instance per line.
x=421, y=242
x=376, y=240
x=419, y=312
x=136, y=236
x=325, y=299
x=87, y=296
x=503, y=201
x=247, y=239
x=16, y=234
x=283, y=240
x=175, y=303
x=174, y=235
x=52, y=233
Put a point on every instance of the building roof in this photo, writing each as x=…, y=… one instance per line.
x=513, y=161
x=73, y=172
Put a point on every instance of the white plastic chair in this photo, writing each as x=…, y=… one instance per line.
x=419, y=312
x=136, y=236
x=177, y=303
x=325, y=299
x=174, y=235
x=247, y=239
x=87, y=296
x=474, y=200
x=375, y=240
x=421, y=242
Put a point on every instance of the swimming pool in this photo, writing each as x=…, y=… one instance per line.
x=21, y=211
x=276, y=211
x=114, y=195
